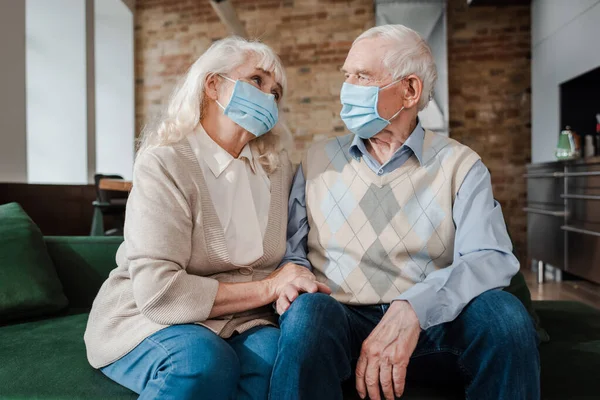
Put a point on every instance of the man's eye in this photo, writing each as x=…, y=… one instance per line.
x=362, y=77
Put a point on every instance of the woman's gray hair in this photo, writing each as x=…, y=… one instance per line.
x=410, y=54
x=185, y=106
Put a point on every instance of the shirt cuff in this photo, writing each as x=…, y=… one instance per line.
x=421, y=297
x=296, y=260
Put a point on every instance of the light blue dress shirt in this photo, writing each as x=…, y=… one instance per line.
x=483, y=258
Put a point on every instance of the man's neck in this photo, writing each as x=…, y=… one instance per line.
x=387, y=142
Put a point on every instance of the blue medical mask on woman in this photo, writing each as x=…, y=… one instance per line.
x=359, y=109
x=251, y=108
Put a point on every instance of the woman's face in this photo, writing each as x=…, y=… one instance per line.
x=250, y=73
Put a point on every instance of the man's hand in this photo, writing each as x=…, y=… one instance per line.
x=386, y=352
x=291, y=280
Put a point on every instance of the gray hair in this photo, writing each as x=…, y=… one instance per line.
x=410, y=54
x=185, y=106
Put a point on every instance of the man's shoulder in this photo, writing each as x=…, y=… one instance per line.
x=437, y=145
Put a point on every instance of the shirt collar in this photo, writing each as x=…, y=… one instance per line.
x=217, y=158
x=414, y=142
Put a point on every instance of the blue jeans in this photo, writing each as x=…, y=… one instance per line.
x=490, y=349
x=191, y=362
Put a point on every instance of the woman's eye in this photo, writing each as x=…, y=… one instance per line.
x=257, y=79
x=276, y=96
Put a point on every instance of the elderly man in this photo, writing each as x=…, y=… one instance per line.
x=402, y=225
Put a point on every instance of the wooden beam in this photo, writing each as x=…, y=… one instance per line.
x=228, y=17
x=130, y=4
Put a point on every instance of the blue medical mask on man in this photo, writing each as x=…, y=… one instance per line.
x=251, y=108
x=359, y=109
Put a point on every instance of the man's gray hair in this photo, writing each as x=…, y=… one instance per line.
x=410, y=54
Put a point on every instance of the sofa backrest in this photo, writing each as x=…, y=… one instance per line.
x=82, y=264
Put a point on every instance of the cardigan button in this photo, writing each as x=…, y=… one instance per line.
x=246, y=271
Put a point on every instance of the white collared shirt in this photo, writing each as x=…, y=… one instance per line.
x=241, y=194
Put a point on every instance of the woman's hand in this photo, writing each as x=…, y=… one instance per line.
x=289, y=281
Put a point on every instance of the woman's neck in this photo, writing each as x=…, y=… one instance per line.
x=226, y=133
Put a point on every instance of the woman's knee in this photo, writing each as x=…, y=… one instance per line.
x=257, y=350
x=202, y=364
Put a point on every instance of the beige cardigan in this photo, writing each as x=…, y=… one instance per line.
x=174, y=256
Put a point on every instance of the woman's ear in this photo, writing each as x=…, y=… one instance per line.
x=211, y=87
x=413, y=89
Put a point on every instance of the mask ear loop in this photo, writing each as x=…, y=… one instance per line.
x=395, y=115
x=387, y=86
x=392, y=83
x=229, y=79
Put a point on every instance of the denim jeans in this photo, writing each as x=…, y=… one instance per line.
x=490, y=349
x=191, y=362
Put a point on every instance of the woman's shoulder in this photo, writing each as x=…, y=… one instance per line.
x=172, y=156
x=169, y=167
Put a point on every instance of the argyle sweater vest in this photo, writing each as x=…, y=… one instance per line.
x=373, y=237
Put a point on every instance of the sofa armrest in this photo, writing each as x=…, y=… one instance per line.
x=82, y=264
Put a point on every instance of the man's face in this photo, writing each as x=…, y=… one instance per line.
x=364, y=66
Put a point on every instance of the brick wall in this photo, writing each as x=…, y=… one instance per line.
x=312, y=38
x=489, y=72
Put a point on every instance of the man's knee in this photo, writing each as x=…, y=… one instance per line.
x=310, y=308
x=313, y=320
x=503, y=318
x=315, y=329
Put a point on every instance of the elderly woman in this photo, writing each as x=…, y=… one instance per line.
x=187, y=313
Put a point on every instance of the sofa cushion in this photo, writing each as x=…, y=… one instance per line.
x=29, y=285
x=82, y=264
x=571, y=361
x=46, y=360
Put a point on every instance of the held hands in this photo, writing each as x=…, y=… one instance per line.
x=289, y=281
x=386, y=352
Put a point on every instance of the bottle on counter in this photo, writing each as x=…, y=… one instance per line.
x=589, y=149
x=566, y=150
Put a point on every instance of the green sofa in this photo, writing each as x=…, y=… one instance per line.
x=44, y=358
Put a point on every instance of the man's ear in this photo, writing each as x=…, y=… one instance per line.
x=211, y=86
x=413, y=89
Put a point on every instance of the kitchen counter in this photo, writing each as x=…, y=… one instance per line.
x=563, y=215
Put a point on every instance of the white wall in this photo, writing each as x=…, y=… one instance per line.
x=428, y=18
x=115, y=124
x=56, y=91
x=565, y=44
x=13, y=145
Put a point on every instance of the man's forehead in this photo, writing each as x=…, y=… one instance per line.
x=366, y=56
